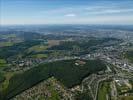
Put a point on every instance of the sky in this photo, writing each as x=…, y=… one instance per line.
x=66, y=12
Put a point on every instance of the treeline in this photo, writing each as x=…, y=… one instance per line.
x=83, y=44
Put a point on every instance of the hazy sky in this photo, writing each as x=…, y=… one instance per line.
x=66, y=12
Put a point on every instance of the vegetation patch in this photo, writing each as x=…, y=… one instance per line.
x=129, y=55
x=104, y=90
x=38, y=48
x=2, y=63
x=39, y=56
x=126, y=98
x=83, y=96
x=5, y=44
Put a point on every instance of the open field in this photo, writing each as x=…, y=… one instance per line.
x=2, y=63
x=104, y=89
x=53, y=42
x=126, y=98
x=5, y=44
x=39, y=56
x=5, y=84
x=38, y=48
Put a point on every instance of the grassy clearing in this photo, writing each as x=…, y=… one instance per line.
x=39, y=56
x=53, y=42
x=126, y=98
x=2, y=63
x=54, y=93
x=103, y=90
x=38, y=48
x=5, y=84
x=5, y=44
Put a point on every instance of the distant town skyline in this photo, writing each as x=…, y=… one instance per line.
x=66, y=12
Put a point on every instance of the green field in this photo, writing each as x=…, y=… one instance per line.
x=2, y=63
x=65, y=71
x=38, y=48
x=39, y=56
x=104, y=90
x=54, y=93
x=5, y=44
x=126, y=98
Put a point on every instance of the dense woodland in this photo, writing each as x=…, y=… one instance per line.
x=64, y=71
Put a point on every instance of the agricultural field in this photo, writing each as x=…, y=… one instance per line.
x=6, y=44
x=126, y=98
x=39, y=56
x=3, y=63
x=37, y=48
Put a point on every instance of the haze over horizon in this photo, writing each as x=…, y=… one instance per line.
x=66, y=12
